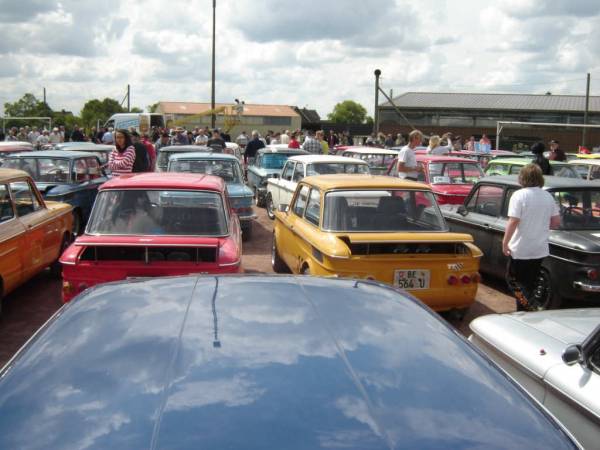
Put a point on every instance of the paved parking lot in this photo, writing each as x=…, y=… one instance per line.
x=26, y=309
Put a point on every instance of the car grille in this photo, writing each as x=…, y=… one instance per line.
x=149, y=254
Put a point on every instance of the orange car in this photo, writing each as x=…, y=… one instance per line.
x=33, y=232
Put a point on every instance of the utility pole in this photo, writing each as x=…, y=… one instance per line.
x=128, y=98
x=212, y=90
x=585, y=113
x=376, y=115
x=44, y=96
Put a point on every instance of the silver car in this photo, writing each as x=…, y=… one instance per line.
x=555, y=355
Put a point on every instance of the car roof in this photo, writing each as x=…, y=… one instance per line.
x=442, y=158
x=371, y=151
x=260, y=362
x=521, y=160
x=166, y=180
x=62, y=154
x=283, y=150
x=16, y=144
x=343, y=181
x=585, y=162
x=185, y=148
x=550, y=182
x=202, y=155
x=311, y=159
x=10, y=174
x=84, y=147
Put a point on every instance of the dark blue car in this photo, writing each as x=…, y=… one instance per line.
x=260, y=362
x=63, y=176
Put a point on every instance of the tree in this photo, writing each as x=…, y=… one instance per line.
x=152, y=108
x=27, y=106
x=135, y=109
x=348, y=111
x=95, y=110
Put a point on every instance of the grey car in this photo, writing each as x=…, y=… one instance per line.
x=555, y=355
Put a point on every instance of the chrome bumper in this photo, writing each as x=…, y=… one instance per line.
x=586, y=287
x=247, y=218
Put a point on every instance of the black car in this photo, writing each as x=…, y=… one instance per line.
x=260, y=362
x=572, y=270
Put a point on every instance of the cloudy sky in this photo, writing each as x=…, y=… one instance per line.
x=311, y=53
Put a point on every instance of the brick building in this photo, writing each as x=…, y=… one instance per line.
x=476, y=114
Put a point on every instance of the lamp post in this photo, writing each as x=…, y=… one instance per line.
x=213, y=117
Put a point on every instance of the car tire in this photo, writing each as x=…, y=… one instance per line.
x=305, y=270
x=56, y=266
x=269, y=206
x=247, y=232
x=545, y=292
x=279, y=266
x=259, y=202
x=77, y=222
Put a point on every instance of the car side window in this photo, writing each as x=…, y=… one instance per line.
x=487, y=200
x=94, y=170
x=25, y=198
x=299, y=172
x=300, y=202
x=80, y=173
x=509, y=194
x=497, y=169
x=6, y=207
x=288, y=170
x=313, y=207
x=514, y=170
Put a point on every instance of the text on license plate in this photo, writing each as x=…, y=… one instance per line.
x=412, y=279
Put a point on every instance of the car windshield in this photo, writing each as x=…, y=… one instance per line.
x=227, y=169
x=454, y=173
x=42, y=170
x=579, y=209
x=157, y=212
x=382, y=211
x=332, y=168
x=273, y=160
x=376, y=159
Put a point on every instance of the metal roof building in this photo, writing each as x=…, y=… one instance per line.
x=467, y=114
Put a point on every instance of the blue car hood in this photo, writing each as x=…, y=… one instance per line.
x=265, y=173
x=205, y=362
x=53, y=189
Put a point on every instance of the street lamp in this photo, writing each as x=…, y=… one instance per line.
x=213, y=117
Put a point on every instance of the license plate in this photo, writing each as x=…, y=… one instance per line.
x=412, y=279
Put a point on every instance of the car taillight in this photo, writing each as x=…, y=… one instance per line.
x=466, y=279
x=452, y=280
x=592, y=274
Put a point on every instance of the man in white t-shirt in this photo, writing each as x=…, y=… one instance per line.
x=532, y=212
x=407, y=160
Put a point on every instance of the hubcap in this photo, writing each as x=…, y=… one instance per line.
x=542, y=293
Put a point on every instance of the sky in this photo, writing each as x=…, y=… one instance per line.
x=309, y=53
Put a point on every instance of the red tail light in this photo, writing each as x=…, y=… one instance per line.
x=466, y=279
x=452, y=280
x=592, y=274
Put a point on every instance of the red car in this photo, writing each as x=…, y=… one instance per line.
x=451, y=178
x=154, y=224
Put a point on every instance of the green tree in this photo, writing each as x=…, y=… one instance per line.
x=152, y=108
x=95, y=110
x=27, y=106
x=135, y=109
x=348, y=111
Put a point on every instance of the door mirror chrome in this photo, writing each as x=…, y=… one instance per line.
x=462, y=210
x=572, y=355
x=283, y=208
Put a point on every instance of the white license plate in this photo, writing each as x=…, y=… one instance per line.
x=412, y=279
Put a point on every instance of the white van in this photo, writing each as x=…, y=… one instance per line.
x=142, y=122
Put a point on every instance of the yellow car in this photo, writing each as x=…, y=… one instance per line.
x=377, y=228
x=33, y=232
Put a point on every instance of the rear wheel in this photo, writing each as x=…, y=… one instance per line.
x=279, y=266
x=260, y=202
x=270, y=207
x=545, y=295
x=56, y=267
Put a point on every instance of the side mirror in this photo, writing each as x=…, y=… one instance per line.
x=462, y=210
x=572, y=355
x=275, y=175
x=283, y=208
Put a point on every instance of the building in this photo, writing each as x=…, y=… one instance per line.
x=230, y=116
x=466, y=114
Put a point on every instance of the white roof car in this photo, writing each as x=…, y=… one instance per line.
x=378, y=159
x=281, y=189
x=555, y=355
x=588, y=169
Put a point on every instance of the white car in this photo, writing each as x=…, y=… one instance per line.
x=378, y=159
x=281, y=188
x=555, y=355
x=589, y=169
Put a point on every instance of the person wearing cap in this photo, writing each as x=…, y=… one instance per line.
x=55, y=137
x=556, y=153
x=538, y=150
x=180, y=137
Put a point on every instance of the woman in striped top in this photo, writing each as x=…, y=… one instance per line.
x=122, y=157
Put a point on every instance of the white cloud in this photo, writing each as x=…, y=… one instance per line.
x=314, y=53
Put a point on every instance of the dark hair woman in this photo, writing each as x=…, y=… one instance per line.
x=538, y=150
x=122, y=157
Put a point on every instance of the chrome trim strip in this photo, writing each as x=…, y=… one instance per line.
x=586, y=287
x=236, y=263
x=141, y=244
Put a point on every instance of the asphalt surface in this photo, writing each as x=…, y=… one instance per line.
x=26, y=309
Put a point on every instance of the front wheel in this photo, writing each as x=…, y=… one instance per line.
x=279, y=266
x=270, y=207
x=260, y=202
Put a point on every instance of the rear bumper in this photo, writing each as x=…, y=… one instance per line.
x=586, y=287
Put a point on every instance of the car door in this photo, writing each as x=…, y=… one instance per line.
x=482, y=214
x=40, y=229
x=12, y=242
x=278, y=185
x=307, y=226
x=290, y=185
x=289, y=245
x=496, y=255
